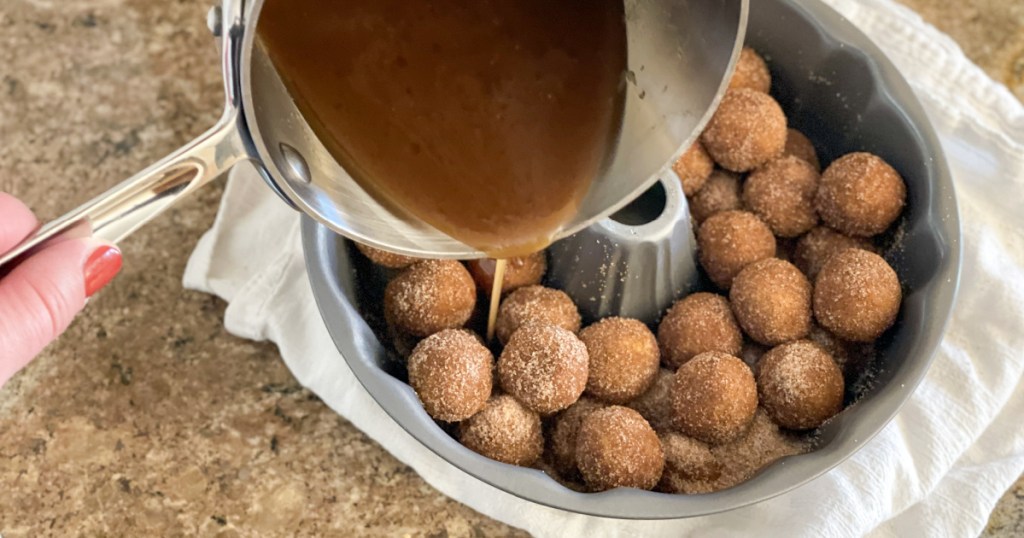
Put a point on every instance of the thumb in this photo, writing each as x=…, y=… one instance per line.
x=41, y=296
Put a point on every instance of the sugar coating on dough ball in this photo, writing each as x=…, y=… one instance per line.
x=731, y=240
x=686, y=460
x=616, y=447
x=504, y=430
x=721, y=192
x=818, y=245
x=693, y=168
x=857, y=295
x=535, y=304
x=714, y=397
x=520, y=271
x=800, y=385
x=384, y=258
x=772, y=302
x=696, y=324
x=564, y=431
x=623, y=357
x=782, y=193
x=852, y=358
x=751, y=72
x=655, y=405
x=451, y=372
x=430, y=296
x=544, y=367
x=801, y=147
x=746, y=131
x=860, y=195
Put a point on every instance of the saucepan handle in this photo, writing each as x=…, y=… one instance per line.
x=121, y=210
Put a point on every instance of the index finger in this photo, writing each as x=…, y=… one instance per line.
x=16, y=222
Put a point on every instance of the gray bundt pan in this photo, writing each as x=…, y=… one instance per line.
x=842, y=91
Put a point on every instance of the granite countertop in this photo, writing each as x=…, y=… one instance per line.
x=147, y=418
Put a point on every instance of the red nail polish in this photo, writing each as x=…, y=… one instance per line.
x=100, y=268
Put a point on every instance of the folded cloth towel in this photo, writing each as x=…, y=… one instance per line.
x=936, y=470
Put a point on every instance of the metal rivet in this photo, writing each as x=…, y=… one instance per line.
x=295, y=163
x=214, y=19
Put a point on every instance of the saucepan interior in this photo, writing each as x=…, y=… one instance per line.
x=679, y=52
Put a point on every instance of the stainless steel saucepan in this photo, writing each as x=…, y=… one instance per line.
x=679, y=55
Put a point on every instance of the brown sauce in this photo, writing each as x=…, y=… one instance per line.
x=488, y=119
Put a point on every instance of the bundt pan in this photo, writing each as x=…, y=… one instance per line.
x=842, y=91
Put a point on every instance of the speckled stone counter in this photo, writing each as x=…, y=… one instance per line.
x=147, y=418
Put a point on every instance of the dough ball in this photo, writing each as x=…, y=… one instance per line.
x=721, y=192
x=751, y=72
x=696, y=324
x=801, y=147
x=747, y=130
x=782, y=193
x=686, y=460
x=772, y=302
x=536, y=304
x=857, y=295
x=451, y=372
x=655, y=405
x=731, y=240
x=714, y=397
x=819, y=244
x=504, y=430
x=623, y=359
x=430, y=296
x=520, y=271
x=384, y=258
x=564, y=431
x=544, y=367
x=616, y=447
x=800, y=385
x=693, y=168
x=861, y=195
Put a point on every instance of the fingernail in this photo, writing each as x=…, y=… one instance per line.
x=101, y=267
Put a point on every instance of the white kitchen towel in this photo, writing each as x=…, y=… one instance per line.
x=936, y=470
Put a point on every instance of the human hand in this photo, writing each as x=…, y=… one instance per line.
x=40, y=297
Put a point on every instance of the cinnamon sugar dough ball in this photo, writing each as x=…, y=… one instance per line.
x=772, y=302
x=714, y=397
x=731, y=240
x=616, y=447
x=751, y=72
x=535, y=304
x=544, y=367
x=721, y=192
x=747, y=130
x=430, y=296
x=861, y=195
x=384, y=258
x=520, y=271
x=504, y=430
x=687, y=460
x=655, y=405
x=693, y=168
x=857, y=295
x=800, y=385
x=819, y=244
x=782, y=193
x=564, y=431
x=801, y=147
x=451, y=372
x=851, y=358
x=623, y=357
x=695, y=324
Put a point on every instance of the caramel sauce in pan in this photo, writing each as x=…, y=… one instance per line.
x=488, y=119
